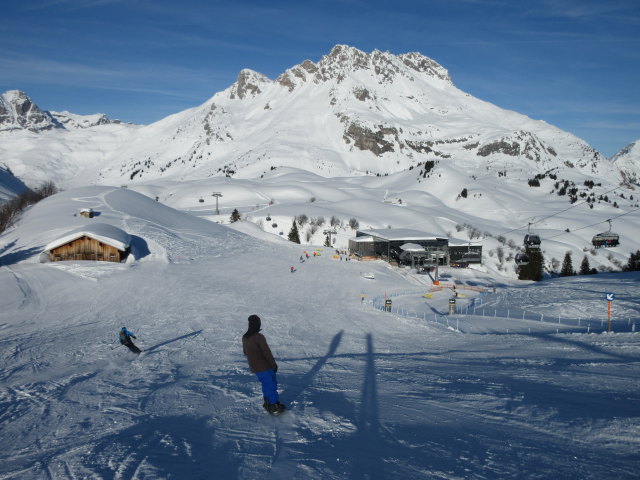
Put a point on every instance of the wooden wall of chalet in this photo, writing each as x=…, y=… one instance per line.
x=86, y=248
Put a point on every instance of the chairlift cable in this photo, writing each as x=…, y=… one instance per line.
x=594, y=224
x=554, y=214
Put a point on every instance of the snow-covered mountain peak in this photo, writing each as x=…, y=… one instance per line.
x=19, y=112
x=249, y=83
x=74, y=121
x=344, y=61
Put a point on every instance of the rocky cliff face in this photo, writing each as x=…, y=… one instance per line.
x=18, y=112
x=343, y=61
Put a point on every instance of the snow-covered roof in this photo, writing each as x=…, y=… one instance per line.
x=457, y=242
x=365, y=239
x=412, y=247
x=401, y=234
x=103, y=232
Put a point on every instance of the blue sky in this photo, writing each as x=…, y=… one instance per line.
x=572, y=63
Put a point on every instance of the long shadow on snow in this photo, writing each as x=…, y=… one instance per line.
x=362, y=454
x=139, y=247
x=478, y=436
x=9, y=245
x=182, y=337
x=584, y=346
x=492, y=443
x=294, y=392
x=369, y=461
x=19, y=255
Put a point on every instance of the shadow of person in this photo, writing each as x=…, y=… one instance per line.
x=167, y=342
x=293, y=393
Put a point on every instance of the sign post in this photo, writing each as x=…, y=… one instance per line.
x=610, y=298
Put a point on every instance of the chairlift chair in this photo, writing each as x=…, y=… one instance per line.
x=532, y=240
x=470, y=257
x=606, y=239
x=522, y=259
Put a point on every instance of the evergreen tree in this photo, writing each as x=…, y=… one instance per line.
x=235, y=215
x=567, y=266
x=535, y=268
x=633, y=265
x=327, y=242
x=585, y=268
x=294, y=235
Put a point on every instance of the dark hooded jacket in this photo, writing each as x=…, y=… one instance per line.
x=255, y=347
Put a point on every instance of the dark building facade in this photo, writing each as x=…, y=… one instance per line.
x=399, y=246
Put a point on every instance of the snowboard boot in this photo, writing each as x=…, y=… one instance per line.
x=265, y=404
x=275, y=408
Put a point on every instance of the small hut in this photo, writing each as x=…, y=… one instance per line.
x=86, y=212
x=98, y=242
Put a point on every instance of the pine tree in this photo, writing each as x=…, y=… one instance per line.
x=633, y=265
x=235, y=215
x=327, y=242
x=294, y=235
x=585, y=268
x=535, y=268
x=567, y=266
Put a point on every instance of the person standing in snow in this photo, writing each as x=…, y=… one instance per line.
x=262, y=363
x=125, y=339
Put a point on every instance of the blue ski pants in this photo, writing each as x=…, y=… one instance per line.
x=269, y=385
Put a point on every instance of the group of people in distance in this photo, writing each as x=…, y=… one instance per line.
x=259, y=357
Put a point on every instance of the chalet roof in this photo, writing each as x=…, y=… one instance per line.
x=103, y=232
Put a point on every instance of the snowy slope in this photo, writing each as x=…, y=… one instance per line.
x=350, y=136
x=370, y=395
x=10, y=186
x=627, y=162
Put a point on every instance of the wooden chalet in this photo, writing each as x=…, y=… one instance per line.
x=98, y=242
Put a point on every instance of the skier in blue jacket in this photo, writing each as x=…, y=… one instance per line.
x=125, y=339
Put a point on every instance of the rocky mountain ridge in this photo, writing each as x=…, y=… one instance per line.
x=350, y=113
x=18, y=112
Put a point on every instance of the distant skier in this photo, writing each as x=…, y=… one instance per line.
x=292, y=269
x=125, y=339
x=262, y=363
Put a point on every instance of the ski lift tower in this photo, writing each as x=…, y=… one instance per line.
x=329, y=233
x=217, y=195
x=435, y=257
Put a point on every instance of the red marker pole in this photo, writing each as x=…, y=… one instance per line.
x=609, y=315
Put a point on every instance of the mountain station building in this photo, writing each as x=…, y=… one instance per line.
x=404, y=246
